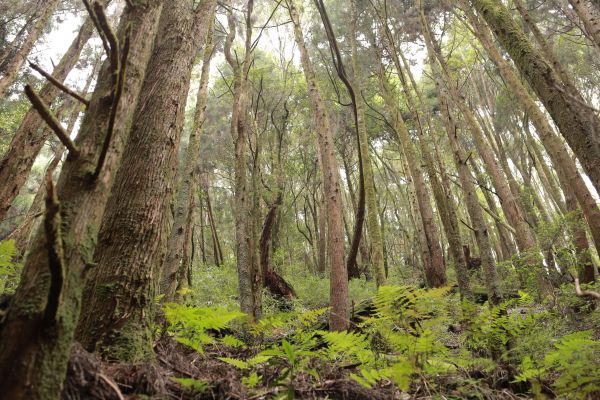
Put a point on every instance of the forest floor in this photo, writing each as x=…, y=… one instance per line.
x=90, y=378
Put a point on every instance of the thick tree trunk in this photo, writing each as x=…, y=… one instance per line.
x=577, y=123
x=33, y=350
x=12, y=69
x=29, y=138
x=331, y=183
x=118, y=311
x=176, y=263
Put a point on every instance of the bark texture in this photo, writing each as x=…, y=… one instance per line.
x=119, y=308
x=577, y=123
x=331, y=186
x=33, y=350
x=173, y=270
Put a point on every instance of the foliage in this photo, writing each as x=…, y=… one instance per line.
x=9, y=270
x=403, y=336
x=192, y=326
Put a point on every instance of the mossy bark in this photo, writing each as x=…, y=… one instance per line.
x=118, y=310
x=577, y=123
x=34, y=352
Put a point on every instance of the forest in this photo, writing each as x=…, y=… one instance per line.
x=299, y=199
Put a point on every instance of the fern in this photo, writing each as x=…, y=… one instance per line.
x=192, y=326
x=192, y=384
x=348, y=346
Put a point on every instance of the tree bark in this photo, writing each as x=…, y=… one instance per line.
x=176, y=263
x=33, y=351
x=577, y=123
x=118, y=311
x=338, y=319
x=12, y=69
x=563, y=164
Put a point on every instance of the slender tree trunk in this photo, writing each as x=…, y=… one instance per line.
x=247, y=266
x=29, y=138
x=11, y=70
x=460, y=160
x=118, y=311
x=577, y=123
x=331, y=183
x=176, y=263
x=571, y=178
x=445, y=205
x=35, y=341
x=435, y=270
x=590, y=19
x=372, y=222
x=512, y=210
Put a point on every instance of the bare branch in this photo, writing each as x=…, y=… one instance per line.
x=51, y=120
x=585, y=293
x=59, y=85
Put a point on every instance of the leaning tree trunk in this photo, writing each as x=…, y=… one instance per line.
x=173, y=270
x=510, y=206
x=571, y=178
x=12, y=69
x=435, y=270
x=118, y=311
x=35, y=339
x=579, y=125
x=331, y=182
x=29, y=138
x=590, y=18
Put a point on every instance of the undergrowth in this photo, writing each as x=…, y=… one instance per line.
x=422, y=343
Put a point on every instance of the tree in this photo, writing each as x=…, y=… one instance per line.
x=40, y=324
x=117, y=313
x=338, y=319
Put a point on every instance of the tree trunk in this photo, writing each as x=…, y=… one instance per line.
x=29, y=138
x=577, y=123
x=331, y=182
x=590, y=19
x=12, y=69
x=435, y=270
x=118, y=311
x=571, y=178
x=372, y=222
x=33, y=350
x=176, y=263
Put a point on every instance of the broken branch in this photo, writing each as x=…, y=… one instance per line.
x=59, y=85
x=51, y=120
